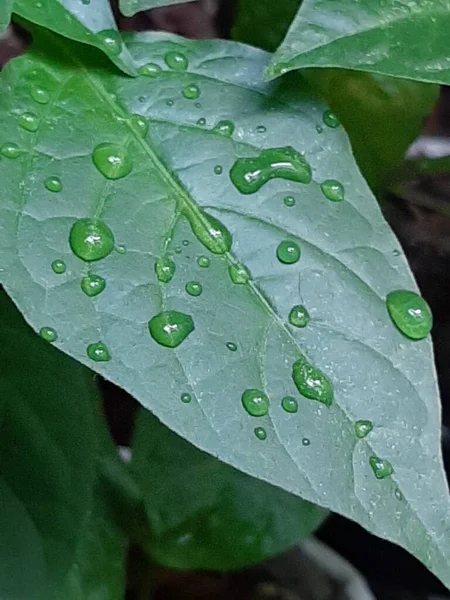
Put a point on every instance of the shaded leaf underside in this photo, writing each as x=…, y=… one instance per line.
x=131, y=7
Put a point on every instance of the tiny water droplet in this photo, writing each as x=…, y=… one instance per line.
x=381, y=467
x=239, y=273
x=194, y=288
x=289, y=404
x=248, y=175
x=59, y=267
x=91, y=239
x=139, y=124
x=150, y=70
x=299, y=316
x=255, y=402
x=210, y=232
x=410, y=313
x=333, y=190
x=165, y=269
x=98, y=352
x=363, y=428
x=112, y=160
x=29, y=122
x=92, y=285
x=10, y=150
x=319, y=129
x=201, y=121
x=218, y=169
x=198, y=105
x=288, y=252
x=260, y=433
x=396, y=252
x=330, y=119
x=185, y=242
x=40, y=95
x=141, y=99
x=398, y=494
x=111, y=39
x=231, y=346
x=191, y=92
x=186, y=398
x=170, y=328
x=48, y=334
x=289, y=201
x=306, y=442
x=178, y=250
x=261, y=129
x=53, y=184
x=311, y=382
x=176, y=61
x=169, y=102
x=203, y=262
x=225, y=128
x=120, y=249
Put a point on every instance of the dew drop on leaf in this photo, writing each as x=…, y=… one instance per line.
x=288, y=252
x=381, y=467
x=91, y=239
x=191, y=92
x=410, y=313
x=210, y=232
x=289, y=404
x=165, y=269
x=330, y=119
x=311, y=382
x=398, y=494
x=169, y=102
x=225, y=128
x=112, y=160
x=260, y=433
x=363, y=428
x=250, y=174
x=201, y=121
x=218, y=169
x=59, y=267
x=48, y=334
x=53, y=184
x=110, y=38
x=306, y=441
x=40, y=95
x=289, y=201
x=120, y=249
x=98, y=352
x=29, y=122
x=333, y=190
x=10, y=150
x=92, y=285
x=139, y=124
x=170, y=328
x=239, y=273
x=255, y=402
x=299, y=316
x=150, y=70
x=194, y=288
x=231, y=346
x=319, y=129
x=203, y=262
x=186, y=398
x=185, y=242
x=261, y=129
x=176, y=61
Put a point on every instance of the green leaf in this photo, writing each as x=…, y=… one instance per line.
x=164, y=197
x=5, y=14
x=89, y=22
x=131, y=7
x=204, y=514
x=47, y=438
x=379, y=36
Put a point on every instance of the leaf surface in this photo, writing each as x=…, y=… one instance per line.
x=5, y=14
x=170, y=197
x=131, y=7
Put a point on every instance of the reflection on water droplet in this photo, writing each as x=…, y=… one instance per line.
x=410, y=313
x=218, y=169
x=139, y=124
x=170, y=328
x=191, y=92
x=186, y=398
x=110, y=38
x=261, y=129
x=112, y=160
x=260, y=433
x=306, y=442
x=250, y=174
x=48, y=334
x=289, y=404
x=10, y=150
x=311, y=382
x=288, y=252
x=29, y=122
x=255, y=402
x=330, y=119
x=289, y=201
x=59, y=267
x=98, y=352
x=201, y=121
x=239, y=273
x=231, y=346
x=299, y=316
x=40, y=95
x=363, y=428
x=165, y=269
x=53, y=184
x=92, y=285
x=203, y=261
x=150, y=70
x=210, y=232
x=176, y=61
x=91, y=239
x=381, y=467
x=194, y=288
x=333, y=190
x=225, y=128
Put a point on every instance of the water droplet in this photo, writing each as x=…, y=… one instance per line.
x=112, y=160
x=53, y=184
x=396, y=252
x=48, y=334
x=239, y=273
x=319, y=129
x=288, y=252
x=59, y=267
x=330, y=119
x=91, y=239
x=165, y=269
x=203, y=261
x=398, y=494
x=170, y=328
x=198, y=105
x=410, y=313
x=40, y=95
x=185, y=242
x=176, y=61
x=10, y=150
x=29, y=122
x=141, y=98
x=210, y=232
x=289, y=404
x=178, y=250
x=363, y=428
x=260, y=433
x=381, y=467
x=120, y=249
x=186, y=398
x=231, y=346
x=225, y=128
x=92, y=285
x=150, y=70
x=218, y=169
x=255, y=402
x=201, y=121
x=191, y=92
x=289, y=201
x=250, y=174
x=98, y=352
x=311, y=382
x=194, y=288
x=333, y=190
x=169, y=102
x=261, y=129
x=139, y=124
x=110, y=38
x=299, y=316
x=306, y=442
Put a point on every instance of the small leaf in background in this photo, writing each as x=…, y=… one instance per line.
x=401, y=39
x=204, y=514
x=338, y=259
x=88, y=22
x=5, y=14
x=131, y=7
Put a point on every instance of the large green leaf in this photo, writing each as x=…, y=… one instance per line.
x=171, y=185
x=204, y=514
x=402, y=39
x=5, y=14
x=88, y=22
x=131, y=7
x=47, y=439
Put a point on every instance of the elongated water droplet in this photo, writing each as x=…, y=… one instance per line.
x=186, y=398
x=48, y=334
x=110, y=38
x=210, y=232
x=381, y=467
x=330, y=119
x=170, y=328
x=231, y=346
x=53, y=184
x=225, y=128
x=288, y=252
x=239, y=273
x=201, y=121
x=40, y=95
x=91, y=239
x=139, y=124
x=398, y=494
x=98, y=352
x=10, y=150
x=150, y=70
x=319, y=129
x=333, y=190
x=92, y=285
x=289, y=404
x=311, y=382
x=261, y=129
x=299, y=316
x=260, y=433
x=194, y=288
x=255, y=402
x=191, y=92
x=363, y=428
x=203, y=262
x=120, y=249
x=289, y=201
x=218, y=169
x=112, y=160
x=250, y=174
x=410, y=313
x=165, y=269
x=59, y=266
x=29, y=122
x=176, y=61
